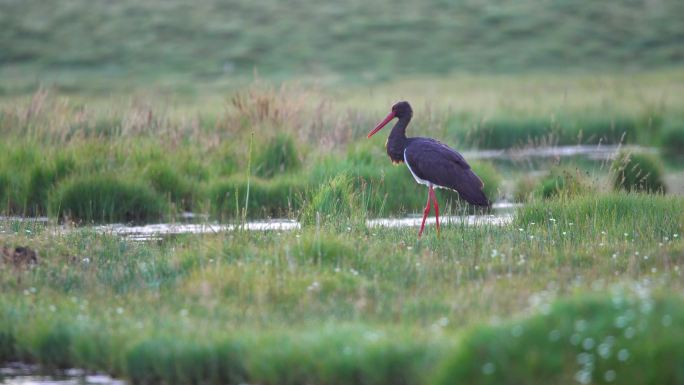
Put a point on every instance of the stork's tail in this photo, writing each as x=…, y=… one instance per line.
x=471, y=190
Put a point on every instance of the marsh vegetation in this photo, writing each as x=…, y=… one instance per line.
x=584, y=282
x=594, y=277
x=127, y=113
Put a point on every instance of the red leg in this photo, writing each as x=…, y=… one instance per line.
x=425, y=214
x=434, y=200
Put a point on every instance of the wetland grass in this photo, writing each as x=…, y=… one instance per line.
x=525, y=188
x=592, y=339
x=198, y=163
x=638, y=172
x=602, y=213
x=106, y=198
x=277, y=157
x=336, y=203
x=673, y=138
x=268, y=198
x=335, y=301
x=578, y=288
x=172, y=185
x=564, y=181
x=506, y=132
x=329, y=305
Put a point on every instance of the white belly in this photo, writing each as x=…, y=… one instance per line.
x=418, y=180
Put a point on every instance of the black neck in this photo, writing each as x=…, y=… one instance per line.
x=396, y=143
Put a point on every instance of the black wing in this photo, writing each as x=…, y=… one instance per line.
x=442, y=166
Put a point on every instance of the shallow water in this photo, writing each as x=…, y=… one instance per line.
x=503, y=214
x=22, y=374
x=158, y=230
x=467, y=220
x=592, y=152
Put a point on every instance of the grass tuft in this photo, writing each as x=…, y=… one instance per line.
x=106, y=198
x=276, y=197
x=51, y=345
x=277, y=157
x=638, y=172
x=167, y=182
x=42, y=179
x=177, y=361
x=563, y=182
x=336, y=203
x=524, y=189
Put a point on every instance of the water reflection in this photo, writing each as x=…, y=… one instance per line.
x=155, y=231
x=22, y=374
x=503, y=215
x=467, y=220
x=592, y=152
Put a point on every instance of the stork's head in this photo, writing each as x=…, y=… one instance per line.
x=401, y=110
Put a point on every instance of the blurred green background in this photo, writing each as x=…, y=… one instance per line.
x=142, y=111
x=67, y=42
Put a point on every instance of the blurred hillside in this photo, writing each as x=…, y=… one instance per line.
x=366, y=40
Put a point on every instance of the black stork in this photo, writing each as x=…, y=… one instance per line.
x=431, y=162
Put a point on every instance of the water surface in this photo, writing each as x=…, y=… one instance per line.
x=22, y=374
x=592, y=152
x=502, y=215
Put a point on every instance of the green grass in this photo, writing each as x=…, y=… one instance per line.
x=141, y=119
x=524, y=189
x=172, y=185
x=335, y=204
x=335, y=305
x=593, y=339
x=42, y=179
x=566, y=130
x=102, y=42
x=277, y=157
x=616, y=211
x=638, y=172
x=563, y=182
x=278, y=197
x=106, y=198
x=673, y=138
x=195, y=157
x=194, y=172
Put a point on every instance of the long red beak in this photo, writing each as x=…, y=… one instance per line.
x=382, y=124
